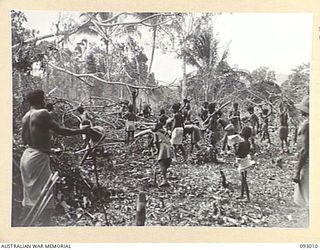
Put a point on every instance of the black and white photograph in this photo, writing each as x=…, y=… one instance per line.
x=176, y=119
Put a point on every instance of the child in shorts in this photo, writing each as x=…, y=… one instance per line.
x=243, y=160
x=130, y=123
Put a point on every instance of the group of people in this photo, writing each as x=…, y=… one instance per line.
x=236, y=132
x=168, y=136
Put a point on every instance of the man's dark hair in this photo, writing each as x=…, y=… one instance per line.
x=212, y=106
x=265, y=111
x=176, y=107
x=246, y=132
x=250, y=109
x=85, y=123
x=222, y=122
x=49, y=106
x=130, y=108
x=80, y=109
x=185, y=101
x=35, y=97
x=163, y=120
x=205, y=104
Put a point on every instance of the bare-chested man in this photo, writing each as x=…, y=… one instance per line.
x=35, y=161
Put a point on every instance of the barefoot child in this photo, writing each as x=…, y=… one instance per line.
x=283, y=129
x=130, y=123
x=243, y=160
x=164, y=149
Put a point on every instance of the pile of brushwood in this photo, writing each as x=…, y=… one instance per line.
x=104, y=192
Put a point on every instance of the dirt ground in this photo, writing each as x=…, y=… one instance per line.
x=195, y=196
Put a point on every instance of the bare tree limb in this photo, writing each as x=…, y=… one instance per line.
x=80, y=76
x=102, y=98
x=86, y=24
x=142, y=21
x=62, y=33
x=114, y=18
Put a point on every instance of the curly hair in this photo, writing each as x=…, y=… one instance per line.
x=246, y=132
x=35, y=97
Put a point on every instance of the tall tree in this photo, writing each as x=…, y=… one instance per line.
x=183, y=33
x=298, y=82
x=263, y=74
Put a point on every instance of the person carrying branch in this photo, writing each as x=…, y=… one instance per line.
x=212, y=122
x=131, y=118
x=165, y=153
x=301, y=178
x=35, y=161
x=177, y=131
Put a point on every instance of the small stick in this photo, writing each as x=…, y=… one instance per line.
x=40, y=210
x=44, y=201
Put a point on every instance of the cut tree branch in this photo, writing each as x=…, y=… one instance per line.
x=81, y=76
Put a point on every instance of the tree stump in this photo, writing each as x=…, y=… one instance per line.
x=141, y=209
